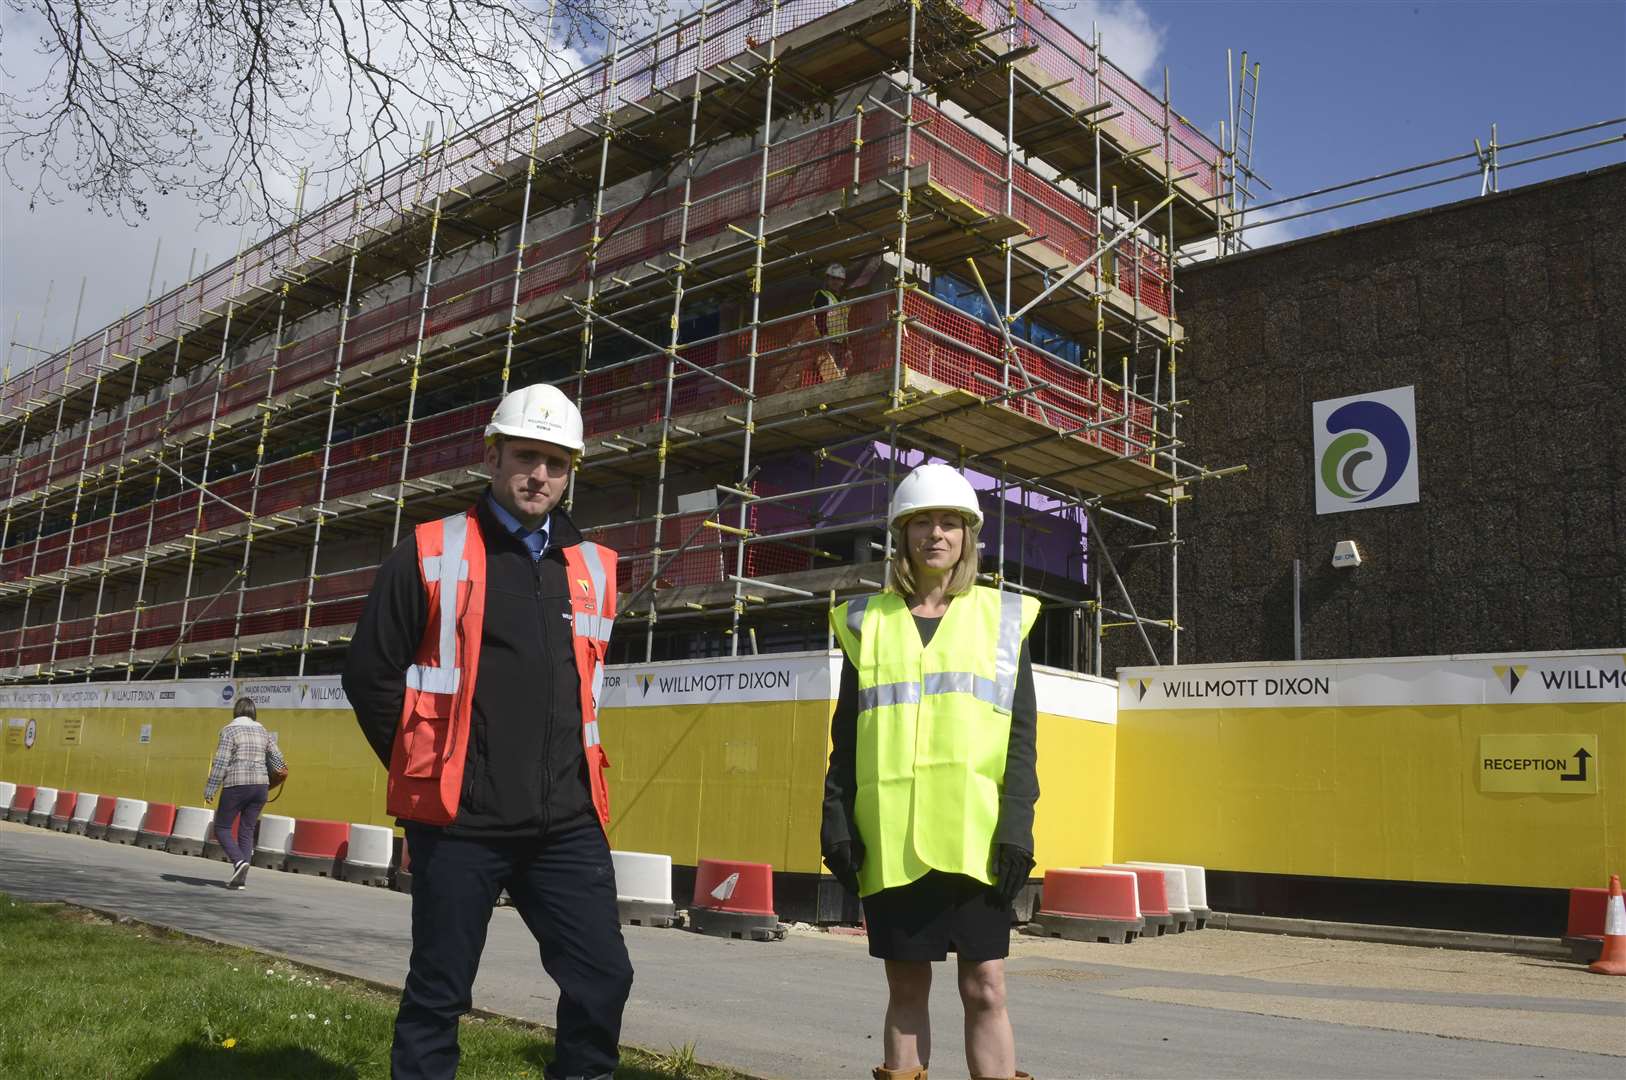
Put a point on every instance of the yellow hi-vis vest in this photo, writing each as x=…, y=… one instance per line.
x=934, y=724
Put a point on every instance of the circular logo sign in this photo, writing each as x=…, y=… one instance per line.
x=1370, y=453
x=28, y=734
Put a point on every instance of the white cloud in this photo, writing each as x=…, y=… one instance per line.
x=1274, y=231
x=1129, y=36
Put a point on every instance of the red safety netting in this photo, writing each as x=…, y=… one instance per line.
x=664, y=62
x=335, y=600
x=938, y=340
x=801, y=168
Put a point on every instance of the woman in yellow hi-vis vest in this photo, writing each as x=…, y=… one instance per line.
x=928, y=805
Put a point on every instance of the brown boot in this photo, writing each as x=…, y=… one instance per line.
x=881, y=1072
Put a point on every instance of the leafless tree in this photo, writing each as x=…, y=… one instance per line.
x=226, y=100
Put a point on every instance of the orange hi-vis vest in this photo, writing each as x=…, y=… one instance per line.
x=426, y=766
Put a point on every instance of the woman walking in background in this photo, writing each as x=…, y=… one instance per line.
x=245, y=759
x=928, y=807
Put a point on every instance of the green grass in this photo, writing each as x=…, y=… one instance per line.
x=86, y=998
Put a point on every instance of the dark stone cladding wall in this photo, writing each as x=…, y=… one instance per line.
x=1508, y=315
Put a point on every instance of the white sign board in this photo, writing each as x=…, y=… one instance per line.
x=774, y=677
x=1365, y=451
x=1490, y=679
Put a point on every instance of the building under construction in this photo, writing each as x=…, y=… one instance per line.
x=206, y=486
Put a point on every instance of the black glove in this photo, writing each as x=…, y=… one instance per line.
x=844, y=859
x=1011, y=868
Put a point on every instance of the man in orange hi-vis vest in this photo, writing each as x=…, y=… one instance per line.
x=475, y=673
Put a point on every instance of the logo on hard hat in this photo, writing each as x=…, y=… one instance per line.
x=1366, y=451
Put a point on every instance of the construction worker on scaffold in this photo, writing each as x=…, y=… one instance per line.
x=929, y=797
x=475, y=673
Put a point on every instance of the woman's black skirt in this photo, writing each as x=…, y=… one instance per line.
x=935, y=915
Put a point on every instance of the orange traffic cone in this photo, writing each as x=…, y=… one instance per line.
x=1613, y=960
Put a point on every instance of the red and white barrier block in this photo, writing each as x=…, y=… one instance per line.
x=1093, y=904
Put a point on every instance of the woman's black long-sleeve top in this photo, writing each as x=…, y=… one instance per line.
x=1018, y=793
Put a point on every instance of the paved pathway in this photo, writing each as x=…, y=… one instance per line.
x=1209, y=1004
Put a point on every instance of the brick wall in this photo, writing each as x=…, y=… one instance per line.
x=1508, y=315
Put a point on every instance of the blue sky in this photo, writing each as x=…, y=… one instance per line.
x=1349, y=89
x=1354, y=89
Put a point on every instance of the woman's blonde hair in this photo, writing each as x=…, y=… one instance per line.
x=901, y=579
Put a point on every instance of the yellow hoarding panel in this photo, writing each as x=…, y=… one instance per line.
x=1377, y=769
x=698, y=773
x=721, y=758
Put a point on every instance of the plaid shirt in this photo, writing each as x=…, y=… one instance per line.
x=242, y=756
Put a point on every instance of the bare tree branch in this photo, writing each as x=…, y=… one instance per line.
x=227, y=101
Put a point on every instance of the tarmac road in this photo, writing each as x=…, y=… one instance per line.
x=1209, y=1004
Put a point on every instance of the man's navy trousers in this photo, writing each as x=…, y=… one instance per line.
x=563, y=886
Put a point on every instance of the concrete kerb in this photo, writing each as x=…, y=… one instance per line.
x=1422, y=937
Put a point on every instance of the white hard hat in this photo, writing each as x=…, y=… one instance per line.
x=935, y=487
x=540, y=412
x=836, y=270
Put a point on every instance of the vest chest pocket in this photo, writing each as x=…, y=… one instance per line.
x=426, y=732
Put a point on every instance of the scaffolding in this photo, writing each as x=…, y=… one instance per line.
x=209, y=484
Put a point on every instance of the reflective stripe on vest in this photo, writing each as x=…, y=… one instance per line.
x=933, y=728
x=1000, y=691
x=589, y=624
x=591, y=568
x=446, y=569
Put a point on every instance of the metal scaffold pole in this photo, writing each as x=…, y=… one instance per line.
x=267, y=407
x=113, y=510
x=334, y=384
x=1157, y=405
x=674, y=339
x=524, y=224
x=22, y=436
x=900, y=285
x=50, y=471
x=78, y=498
x=760, y=243
x=585, y=355
x=202, y=483
x=423, y=323
x=157, y=487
